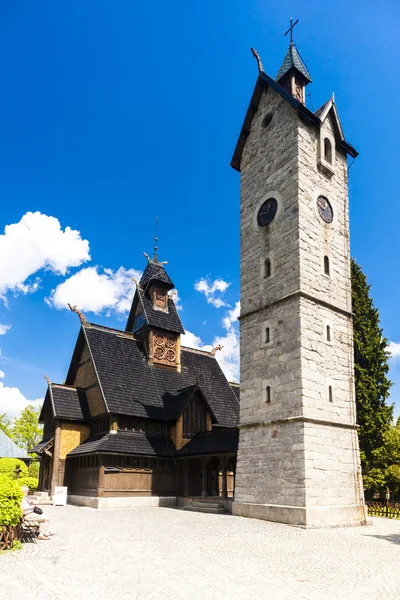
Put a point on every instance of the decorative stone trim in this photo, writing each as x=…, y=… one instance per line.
x=301, y=419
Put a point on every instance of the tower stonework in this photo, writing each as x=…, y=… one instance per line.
x=298, y=459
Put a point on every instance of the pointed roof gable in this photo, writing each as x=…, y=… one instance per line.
x=330, y=108
x=67, y=402
x=9, y=449
x=293, y=60
x=176, y=403
x=264, y=82
x=155, y=272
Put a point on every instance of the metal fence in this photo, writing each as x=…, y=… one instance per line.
x=384, y=509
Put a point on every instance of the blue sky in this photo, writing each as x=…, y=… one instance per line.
x=113, y=112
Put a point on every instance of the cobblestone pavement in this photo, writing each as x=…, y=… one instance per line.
x=161, y=553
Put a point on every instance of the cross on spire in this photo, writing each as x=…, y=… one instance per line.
x=291, y=29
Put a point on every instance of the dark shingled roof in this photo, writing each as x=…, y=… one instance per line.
x=133, y=387
x=44, y=444
x=216, y=440
x=66, y=402
x=169, y=321
x=127, y=442
x=174, y=404
x=293, y=59
x=155, y=272
x=69, y=403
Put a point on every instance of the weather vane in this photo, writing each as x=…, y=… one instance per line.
x=291, y=29
x=156, y=242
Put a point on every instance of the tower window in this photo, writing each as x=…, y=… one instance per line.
x=267, y=120
x=326, y=265
x=328, y=333
x=267, y=267
x=328, y=150
x=330, y=393
x=267, y=394
x=267, y=335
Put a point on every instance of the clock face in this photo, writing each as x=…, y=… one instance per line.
x=325, y=209
x=267, y=212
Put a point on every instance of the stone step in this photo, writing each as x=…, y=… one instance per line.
x=207, y=509
x=207, y=504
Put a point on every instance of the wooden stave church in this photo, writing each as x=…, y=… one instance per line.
x=140, y=415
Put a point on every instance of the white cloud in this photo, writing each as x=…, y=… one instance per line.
x=4, y=328
x=37, y=242
x=95, y=291
x=213, y=291
x=394, y=349
x=229, y=356
x=12, y=400
x=2, y=374
x=232, y=316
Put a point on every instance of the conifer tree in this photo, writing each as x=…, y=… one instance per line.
x=371, y=362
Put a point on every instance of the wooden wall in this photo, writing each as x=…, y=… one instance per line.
x=139, y=483
x=85, y=377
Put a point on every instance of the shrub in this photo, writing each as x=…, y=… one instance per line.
x=10, y=502
x=33, y=469
x=7, y=467
x=31, y=482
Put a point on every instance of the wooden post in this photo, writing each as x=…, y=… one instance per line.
x=56, y=457
x=203, y=477
x=224, y=480
x=186, y=479
x=100, y=488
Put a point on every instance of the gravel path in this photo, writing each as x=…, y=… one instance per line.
x=162, y=554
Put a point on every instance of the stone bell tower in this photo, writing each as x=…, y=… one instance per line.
x=298, y=458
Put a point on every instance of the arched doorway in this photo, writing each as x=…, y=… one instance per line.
x=194, y=477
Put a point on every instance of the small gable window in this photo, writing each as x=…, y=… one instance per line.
x=328, y=150
x=326, y=265
x=267, y=268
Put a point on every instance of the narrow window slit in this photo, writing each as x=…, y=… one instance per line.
x=328, y=150
x=267, y=335
x=268, y=394
x=326, y=265
x=267, y=268
x=328, y=333
x=330, y=391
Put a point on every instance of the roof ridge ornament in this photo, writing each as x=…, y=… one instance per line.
x=258, y=59
x=215, y=350
x=47, y=379
x=80, y=314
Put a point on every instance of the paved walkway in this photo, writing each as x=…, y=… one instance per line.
x=163, y=554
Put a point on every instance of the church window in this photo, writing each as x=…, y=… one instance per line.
x=267, y=335
x=267, y=267
x=328, y=333
x=268, y=394
x=326, y=265
x=328, y=150
x=194, y=417
x=267, y=120
x=330, y=393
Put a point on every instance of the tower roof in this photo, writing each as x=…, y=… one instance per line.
x=155, y=272
x=293, y=60
x=9, y=449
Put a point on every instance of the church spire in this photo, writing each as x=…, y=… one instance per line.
x=293, y=75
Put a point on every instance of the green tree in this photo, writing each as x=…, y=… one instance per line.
x=6, y=425
x=27, y=431
x=371, y=363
